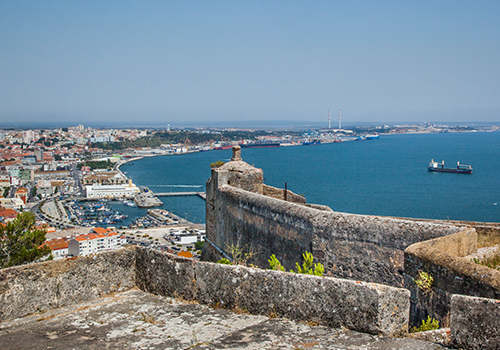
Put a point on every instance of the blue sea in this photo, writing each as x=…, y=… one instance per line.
x=387, y=176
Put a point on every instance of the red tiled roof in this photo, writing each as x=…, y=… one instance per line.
x=185, y=254
x=56, y=243
x=7, y=213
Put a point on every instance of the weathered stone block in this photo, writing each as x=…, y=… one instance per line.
x=165, y=274
x=361, y=306
x=474, y=322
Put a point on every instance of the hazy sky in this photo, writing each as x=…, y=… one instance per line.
x=158, y=62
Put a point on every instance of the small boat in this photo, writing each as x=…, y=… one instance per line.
x=372, y=137
x=439, y=167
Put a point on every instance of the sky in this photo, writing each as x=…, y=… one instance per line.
x=204, y=62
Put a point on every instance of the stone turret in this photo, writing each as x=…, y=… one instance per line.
x=236, y=173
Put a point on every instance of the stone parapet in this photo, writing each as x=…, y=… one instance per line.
x=361, y=306
x=38, y=287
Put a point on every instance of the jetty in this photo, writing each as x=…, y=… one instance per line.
x=177, y=194
x=147, y=199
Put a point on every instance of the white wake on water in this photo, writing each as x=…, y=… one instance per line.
x=174, y=185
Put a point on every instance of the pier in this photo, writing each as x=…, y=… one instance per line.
x=176, y=194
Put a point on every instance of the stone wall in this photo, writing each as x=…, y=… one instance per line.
x=474, y=323
x=443, y=259
x=360, y=306
x=361, y=247
x=38, y=287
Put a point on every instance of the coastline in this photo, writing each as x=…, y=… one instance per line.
x=119, y=164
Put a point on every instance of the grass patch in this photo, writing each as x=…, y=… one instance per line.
x=487, y=237
x=493, y=262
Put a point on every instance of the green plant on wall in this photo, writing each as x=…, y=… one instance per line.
x=427, y=325
x=274, y=264
x=424, y=281
x=308, y=267
x=217, y=164
x=240, y=255
x=224, y=261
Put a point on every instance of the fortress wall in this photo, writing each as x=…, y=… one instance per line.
x=267, y=225
x=365, y=307
x=38, y=287
x=368, y=248
x=443, y=259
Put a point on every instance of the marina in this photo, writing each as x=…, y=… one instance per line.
x=95, y=213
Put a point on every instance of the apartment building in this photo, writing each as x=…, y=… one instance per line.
x=99, y=240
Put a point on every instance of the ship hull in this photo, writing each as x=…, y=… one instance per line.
x=450, y=170
x=259, y=145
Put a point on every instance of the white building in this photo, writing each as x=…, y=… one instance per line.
x=99, y=240
x=112, y=191
x=28, y=136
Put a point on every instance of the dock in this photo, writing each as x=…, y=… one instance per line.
x=202, y=195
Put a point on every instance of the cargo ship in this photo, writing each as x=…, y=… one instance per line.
x=219, y=146
x=439, y=167
x=259, y=144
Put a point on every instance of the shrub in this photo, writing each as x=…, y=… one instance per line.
x=217, y=164
x=424, y=281
x=199, y=245
x=240, y=255
x=224, y=261
x=274, y=264
x=308, y=267
x=428, y=325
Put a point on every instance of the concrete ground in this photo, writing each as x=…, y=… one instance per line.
x=139, y=320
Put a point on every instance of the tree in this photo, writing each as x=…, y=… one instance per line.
x=21, y=242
